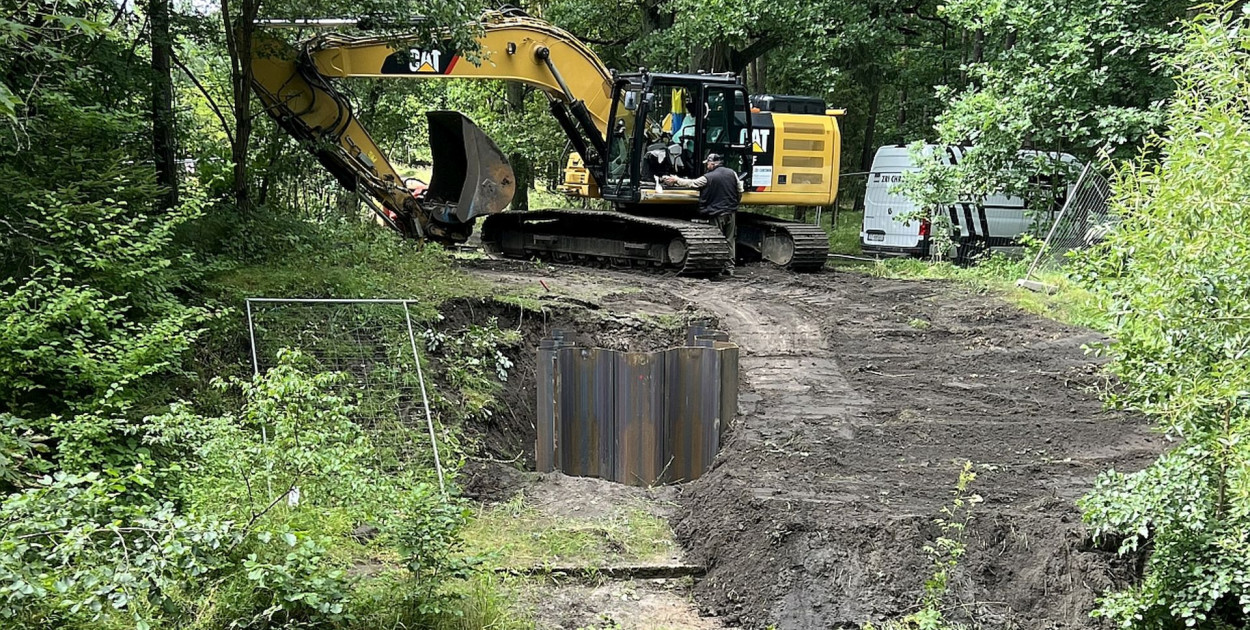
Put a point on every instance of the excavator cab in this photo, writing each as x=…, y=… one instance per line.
x=665, y=124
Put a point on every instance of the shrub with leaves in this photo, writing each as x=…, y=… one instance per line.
x=260, y=534
x=78, y=550
x=473, y=362
x=1178, y=274
x=426, y=529
x=92, y=335
x=299, y=588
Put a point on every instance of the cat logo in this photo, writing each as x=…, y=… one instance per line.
x=759, y=139
x=425, y=62
x=417, y=61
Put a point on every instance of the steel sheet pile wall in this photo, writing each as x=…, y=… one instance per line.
x=638, y=418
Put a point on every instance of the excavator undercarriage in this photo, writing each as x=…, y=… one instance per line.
x=611, y=238
x=618, y=239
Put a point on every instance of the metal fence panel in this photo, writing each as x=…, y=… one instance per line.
x=1084, y=221
x=373, y=344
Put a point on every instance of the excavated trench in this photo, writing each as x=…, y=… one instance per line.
x=861, y=397
x=508, y=436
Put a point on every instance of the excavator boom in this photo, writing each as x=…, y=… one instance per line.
x=471, y=178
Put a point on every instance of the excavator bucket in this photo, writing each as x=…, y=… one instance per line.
x=471, y=178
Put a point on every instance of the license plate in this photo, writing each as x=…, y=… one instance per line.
x=876, y=237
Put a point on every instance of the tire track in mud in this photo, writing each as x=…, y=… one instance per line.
x=795, y=389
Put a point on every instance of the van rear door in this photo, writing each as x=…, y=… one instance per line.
x=884, y=230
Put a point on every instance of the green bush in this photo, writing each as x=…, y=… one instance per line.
x=92, y=334
x=261, y=533
x=1177, y=272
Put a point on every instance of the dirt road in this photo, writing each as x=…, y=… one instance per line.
x=861, y=398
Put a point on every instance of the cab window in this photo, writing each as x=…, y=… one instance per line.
x=668, y=133
x=726, y=130
x=621, y=136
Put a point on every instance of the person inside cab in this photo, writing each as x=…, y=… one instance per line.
x=619, y=152
x=659, y=156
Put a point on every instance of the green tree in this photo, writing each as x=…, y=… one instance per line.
x=1055, y=77
x=1177, y=272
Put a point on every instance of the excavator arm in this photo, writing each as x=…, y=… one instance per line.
x=472, y=178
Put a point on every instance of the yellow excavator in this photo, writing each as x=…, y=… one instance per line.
x=627, y=130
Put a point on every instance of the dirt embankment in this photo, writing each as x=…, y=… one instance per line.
x=862, y=398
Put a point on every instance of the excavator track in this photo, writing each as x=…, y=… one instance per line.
x=613, y=238
x=795, y=246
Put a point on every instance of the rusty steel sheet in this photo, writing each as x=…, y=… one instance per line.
x=693, y=394
x=728, y=384
x=641, y=442
x=545, y=418
x=696, y=330
x=547, y=448
x=585, y=382
x=635, y=418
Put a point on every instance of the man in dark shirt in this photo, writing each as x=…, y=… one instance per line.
x=720, y=192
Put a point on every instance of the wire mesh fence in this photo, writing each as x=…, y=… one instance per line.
x=373, y=344
x=1082, y=222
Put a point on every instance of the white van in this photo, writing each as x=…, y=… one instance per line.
x=996, y=222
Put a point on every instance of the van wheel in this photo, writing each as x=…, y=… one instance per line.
x=970, y=252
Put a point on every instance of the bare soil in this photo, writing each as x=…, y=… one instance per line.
x=631, y=605
x=861, y=397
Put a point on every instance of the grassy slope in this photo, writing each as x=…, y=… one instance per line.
x=1069, y=303
x=369, y=262
x=349, y=262
x=517, y=535
x=364, y=261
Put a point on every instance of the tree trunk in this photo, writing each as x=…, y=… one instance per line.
x=963, y=59
x=717, y=58
x=946, y=57
x=522, y=169
x=163, y=142
x=239, y=32
x=902, y=114
x=655, y=17
x=870, y=129
x=266, y=180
